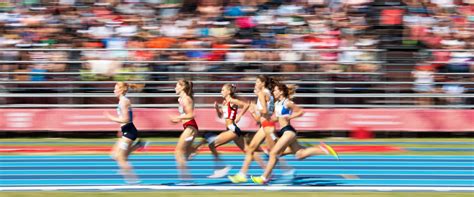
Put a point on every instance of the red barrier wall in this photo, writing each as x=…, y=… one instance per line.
x=313, y=120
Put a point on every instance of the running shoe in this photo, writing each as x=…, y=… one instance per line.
x=329, y=150
x=220, y=173
x=238, y=178
x=259, y=180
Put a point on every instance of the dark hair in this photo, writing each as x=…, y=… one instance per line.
x=270, y=82
x=232, y=88
x=188, y=87
x=288, y=90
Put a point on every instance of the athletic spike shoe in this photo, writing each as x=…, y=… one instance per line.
x=260, y=180
x=220, y=173
x=238, y=178
x=329, y=150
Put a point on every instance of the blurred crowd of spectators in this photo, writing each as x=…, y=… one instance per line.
x=313, y=24
x=445, y=28
x=345, y=30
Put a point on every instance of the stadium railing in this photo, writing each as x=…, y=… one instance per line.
x=328, y=91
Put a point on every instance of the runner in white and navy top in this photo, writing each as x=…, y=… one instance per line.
x=129, y=133
x=286, y=110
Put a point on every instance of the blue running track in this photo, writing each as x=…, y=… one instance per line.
x=370, y=171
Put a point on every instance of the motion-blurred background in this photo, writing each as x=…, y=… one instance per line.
x=412, y=58
x=373, y=77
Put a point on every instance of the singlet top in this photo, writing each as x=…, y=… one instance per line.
x=228, y=111
x=270, y=103
x=280, y=108
x=181, y=107
x=130, y=112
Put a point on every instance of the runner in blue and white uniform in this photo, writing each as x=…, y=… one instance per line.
x=286, y=110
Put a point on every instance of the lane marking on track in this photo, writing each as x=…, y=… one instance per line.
x=219, y=188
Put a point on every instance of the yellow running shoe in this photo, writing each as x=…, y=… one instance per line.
x=329, y=150
x=259, y=180
x=238, y=178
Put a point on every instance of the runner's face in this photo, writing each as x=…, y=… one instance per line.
x=224, y=91
x=259, y=84
x=178, y=88
x=277, y=92
x=117, y=90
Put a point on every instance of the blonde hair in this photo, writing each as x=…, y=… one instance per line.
x=126, y=86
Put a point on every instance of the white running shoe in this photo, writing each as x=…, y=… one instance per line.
x=220, y=173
